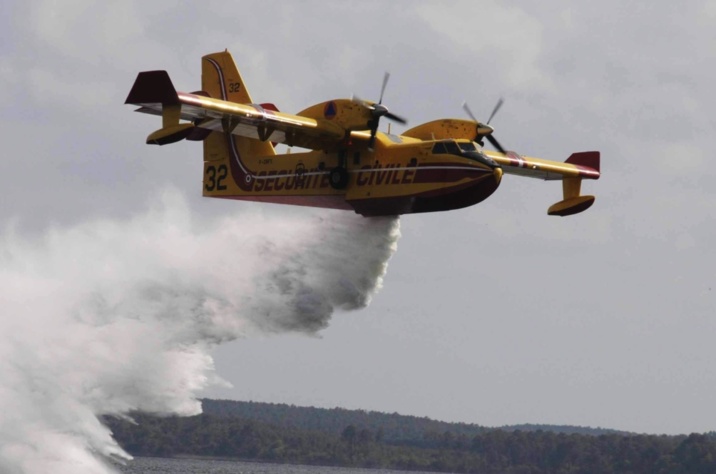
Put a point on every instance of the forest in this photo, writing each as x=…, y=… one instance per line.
x=337, y=437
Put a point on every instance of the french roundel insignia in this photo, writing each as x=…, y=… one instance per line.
x=330, y=110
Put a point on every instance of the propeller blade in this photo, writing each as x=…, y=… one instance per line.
x=496, y=144
x=378, y=110
x=373, y=132
x=497, y=107
x=469, y=112
x=385, y=84
x=481, y=129
x=395, y=118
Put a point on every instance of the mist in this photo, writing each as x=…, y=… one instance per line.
x=111, y=316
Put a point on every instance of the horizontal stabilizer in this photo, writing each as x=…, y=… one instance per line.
x=153, y=87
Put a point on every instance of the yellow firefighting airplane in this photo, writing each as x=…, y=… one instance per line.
x=436, y=166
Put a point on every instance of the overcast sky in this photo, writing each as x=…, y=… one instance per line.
x=496, y=314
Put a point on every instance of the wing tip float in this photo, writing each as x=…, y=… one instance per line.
x=572, y=202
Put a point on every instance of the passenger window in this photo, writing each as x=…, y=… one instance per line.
x=439, y=148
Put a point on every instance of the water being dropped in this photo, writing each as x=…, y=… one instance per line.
x=113, y=316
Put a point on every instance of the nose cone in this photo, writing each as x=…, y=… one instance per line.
x=484, y=129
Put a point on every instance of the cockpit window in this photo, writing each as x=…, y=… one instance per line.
x=465, y=149
x=439, y=148
x=446, y=147
x=452, y=148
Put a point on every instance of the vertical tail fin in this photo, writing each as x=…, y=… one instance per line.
x=220, y=78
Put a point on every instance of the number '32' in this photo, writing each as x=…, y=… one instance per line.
x=215, y=176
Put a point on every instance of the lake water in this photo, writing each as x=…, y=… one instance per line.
x=209, y=466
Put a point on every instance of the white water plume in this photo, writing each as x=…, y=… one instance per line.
x=109, y=317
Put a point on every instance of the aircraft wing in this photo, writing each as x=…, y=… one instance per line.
x=583, y=165
x=579, y=166
x=155, y=94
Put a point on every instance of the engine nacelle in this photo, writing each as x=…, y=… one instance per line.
x=345, y=113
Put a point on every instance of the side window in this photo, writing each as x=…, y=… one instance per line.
x=439, y=148
x=452, y=148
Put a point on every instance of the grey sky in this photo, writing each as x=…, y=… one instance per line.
x=496, y=314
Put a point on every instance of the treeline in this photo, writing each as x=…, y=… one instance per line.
x=395, y=427
x=488, y=451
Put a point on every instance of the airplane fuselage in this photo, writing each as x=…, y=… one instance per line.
x=395, y=178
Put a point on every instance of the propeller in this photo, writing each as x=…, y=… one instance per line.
x=494, y=111
x=377, y=111
x=484, y=129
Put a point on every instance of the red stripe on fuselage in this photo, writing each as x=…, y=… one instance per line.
x=442, y=173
